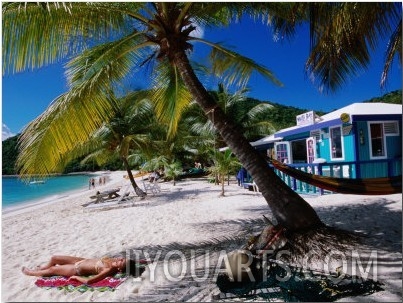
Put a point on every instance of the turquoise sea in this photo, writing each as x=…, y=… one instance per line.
x=16, y=192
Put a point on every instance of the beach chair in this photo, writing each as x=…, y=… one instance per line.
x=103, y=196
x=255, y=187
x=151, y=186
x=125, y=199
x=125, y=196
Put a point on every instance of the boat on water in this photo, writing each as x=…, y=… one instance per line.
x=37, y=182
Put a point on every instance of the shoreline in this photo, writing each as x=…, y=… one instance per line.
x=22, y=207
x=61, y=174
x=187, y=216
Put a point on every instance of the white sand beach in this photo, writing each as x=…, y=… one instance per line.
x=179, y=220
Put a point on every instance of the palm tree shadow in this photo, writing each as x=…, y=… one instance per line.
x=364, y=219
x=379, y=226
x=376, y=224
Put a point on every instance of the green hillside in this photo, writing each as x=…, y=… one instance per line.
x=394, y=97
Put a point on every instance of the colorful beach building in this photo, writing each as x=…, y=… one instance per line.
x=361, y=140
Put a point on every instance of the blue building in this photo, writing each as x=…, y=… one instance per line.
x=362, y=140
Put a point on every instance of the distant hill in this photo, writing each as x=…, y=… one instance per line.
x=394, y=97
x=9, y=155
x=284, y=116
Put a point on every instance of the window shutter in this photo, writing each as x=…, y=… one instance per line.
x=391, y=128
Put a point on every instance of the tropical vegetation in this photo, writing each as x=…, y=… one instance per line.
x=115, y=138
x=190, y=146
x=224, y=165
x=173, y=171
x=280, y=116
x=108, y=41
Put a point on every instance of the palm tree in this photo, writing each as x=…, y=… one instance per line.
x=127, y=36
x=249, y=116
x=173, y=170
x=155, y=163
x=121, y=133
x=224, y=164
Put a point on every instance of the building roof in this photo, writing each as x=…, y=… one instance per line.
x=260, y=142
x=266, y=140
x=353, y=110
x=361, y=109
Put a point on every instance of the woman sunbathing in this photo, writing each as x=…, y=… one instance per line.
x=76, y=268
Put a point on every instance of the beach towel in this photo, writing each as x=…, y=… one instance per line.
x=62, y=283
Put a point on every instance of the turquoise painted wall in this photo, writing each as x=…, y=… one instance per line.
x=349, y=146
x=394, y=151
x=323, y=147
x=393, y=143
x=363, y=149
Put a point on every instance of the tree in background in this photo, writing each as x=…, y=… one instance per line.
x=249, y=116
x=120, y=134
x=173, y=171
x=224, y=164
x=9, y=155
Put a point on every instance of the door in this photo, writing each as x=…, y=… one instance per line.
x=310, y=149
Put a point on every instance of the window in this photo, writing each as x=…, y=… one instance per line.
x=283, y=151
x=315, y=134
x=336, y=143
x=377, y=140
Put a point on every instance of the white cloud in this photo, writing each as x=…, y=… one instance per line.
x=198, y=32
x=6, y=133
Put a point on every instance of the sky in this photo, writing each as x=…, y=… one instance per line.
x=26, y=95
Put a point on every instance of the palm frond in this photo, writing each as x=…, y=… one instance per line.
x=155, y=163
x=342, y=36
x=65, y=29
x=207, y=14
x=233, y=68
x=258, y=129
x=394, y=47
x=259, y=109
x=107, y=63
x=170, y=96
x=67, y=122
x=100, y=156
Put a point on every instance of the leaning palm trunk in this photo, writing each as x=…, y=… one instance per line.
x=289, y=209
x=136, y=188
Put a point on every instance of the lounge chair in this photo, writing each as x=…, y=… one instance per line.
x=124, y=200
x=105, y=195
x=152, y=186
x=255, y=187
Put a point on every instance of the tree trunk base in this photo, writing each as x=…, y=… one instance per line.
x=317, y=241
x=140, y=193
x=321, y=241
x=322, y=247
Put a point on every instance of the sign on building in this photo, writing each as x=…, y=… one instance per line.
x=307, y=118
